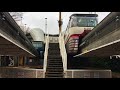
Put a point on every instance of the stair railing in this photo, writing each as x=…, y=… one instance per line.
x=46, y=52
x=63, y=52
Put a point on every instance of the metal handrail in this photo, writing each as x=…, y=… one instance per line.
x=46, y=53
x=63, y=52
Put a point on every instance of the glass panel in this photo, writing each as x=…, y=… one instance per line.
x=84, y=22
x=37, y=44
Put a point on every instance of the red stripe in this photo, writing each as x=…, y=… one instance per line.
x=73, y=36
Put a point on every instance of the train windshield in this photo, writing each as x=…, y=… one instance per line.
x=84, y=22
x=37, y=44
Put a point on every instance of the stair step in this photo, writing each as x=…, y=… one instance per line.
x=55, y=75
x=54, y=62
x=60, y=70
x=54, y=48
x=54, y=65
x=54, y=68
x=54, y=72
x=54, y=57
x=54, y=52
x=57, y=60
x=53, y=44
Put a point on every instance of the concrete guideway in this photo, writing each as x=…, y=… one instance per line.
x=12, y=39
x=106, y=46
x=10, y=46
x=104, y=39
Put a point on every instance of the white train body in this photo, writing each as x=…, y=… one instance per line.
x=77, y=28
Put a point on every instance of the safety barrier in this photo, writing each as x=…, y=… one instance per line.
x=88, y=74
x=18, y=72
x=63, y=52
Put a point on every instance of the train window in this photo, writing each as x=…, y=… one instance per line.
x=74, y=23
x=86, y=21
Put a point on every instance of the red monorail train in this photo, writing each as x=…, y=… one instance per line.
x=79, y=25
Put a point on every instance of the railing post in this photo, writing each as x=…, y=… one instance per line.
x=72, y=74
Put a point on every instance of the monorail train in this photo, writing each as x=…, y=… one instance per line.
x=109, y=24
x=79, y=26
x=38, y=40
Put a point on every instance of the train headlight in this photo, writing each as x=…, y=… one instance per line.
x=75, y=49
x=76, y=45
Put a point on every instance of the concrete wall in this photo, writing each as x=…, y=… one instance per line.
x=21, y=73
x=53, y=39
x=88, y=74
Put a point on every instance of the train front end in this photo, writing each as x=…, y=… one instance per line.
x=79, y=26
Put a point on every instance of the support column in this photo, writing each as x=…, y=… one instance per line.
x=60, y=23
x=16, y=61
x=0, y=61
x=21, y=61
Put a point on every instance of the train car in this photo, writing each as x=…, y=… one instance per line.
x=79, y=26
x=38, y=40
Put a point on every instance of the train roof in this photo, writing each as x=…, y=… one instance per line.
x=85, y=15
x=37, y=34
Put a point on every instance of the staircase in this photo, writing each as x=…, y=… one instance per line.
x=54, y=63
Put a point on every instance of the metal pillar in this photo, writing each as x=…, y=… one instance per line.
x=60, y=23
x=45, y=26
